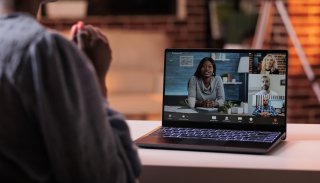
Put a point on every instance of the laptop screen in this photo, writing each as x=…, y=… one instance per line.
x=213, y=86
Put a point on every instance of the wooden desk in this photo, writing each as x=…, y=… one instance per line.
x=297, y=160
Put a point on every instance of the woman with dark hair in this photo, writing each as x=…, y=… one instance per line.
x=205, y=88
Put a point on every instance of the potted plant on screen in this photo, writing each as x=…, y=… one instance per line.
x=224, y=77
x=226, y=108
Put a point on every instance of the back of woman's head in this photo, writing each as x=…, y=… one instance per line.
x=6, y=4
x=198, y=73
x=28, y=6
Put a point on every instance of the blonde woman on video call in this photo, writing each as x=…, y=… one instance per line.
x=269, y=65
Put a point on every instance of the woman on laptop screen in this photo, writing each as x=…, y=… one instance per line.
x=269, y=65
x=205, y=89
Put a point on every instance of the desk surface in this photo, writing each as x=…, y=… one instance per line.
x=300, y=152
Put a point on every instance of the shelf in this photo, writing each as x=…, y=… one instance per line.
x=232, y=83
x=222, y=60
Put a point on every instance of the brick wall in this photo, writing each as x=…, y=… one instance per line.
x=188, y=33
x=305, y=17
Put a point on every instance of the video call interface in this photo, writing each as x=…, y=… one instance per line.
x=226, y=87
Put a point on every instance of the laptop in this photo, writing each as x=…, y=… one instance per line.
x=234, y=103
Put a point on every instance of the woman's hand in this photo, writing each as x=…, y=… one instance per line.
x=208, y=103
x=96, y=46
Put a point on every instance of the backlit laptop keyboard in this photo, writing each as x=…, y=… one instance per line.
x=218, y=134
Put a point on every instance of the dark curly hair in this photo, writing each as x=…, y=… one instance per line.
x=197, y=73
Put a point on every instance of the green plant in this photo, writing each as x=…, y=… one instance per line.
x=224, y=75
x=227, y=105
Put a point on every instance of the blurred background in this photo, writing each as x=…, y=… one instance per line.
x=140, y=30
